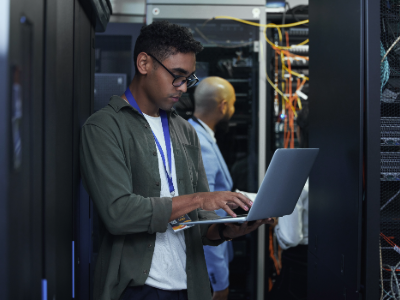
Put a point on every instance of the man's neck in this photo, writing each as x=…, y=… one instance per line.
x=207, y=119
x=145, y=104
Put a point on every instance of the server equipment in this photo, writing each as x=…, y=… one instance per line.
x=294, y=86
x=389, y=251
x=46, y=63
x=345, y=185
x=236, y=52
x=286, y=93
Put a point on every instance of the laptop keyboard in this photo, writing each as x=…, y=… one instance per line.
x=229, y=217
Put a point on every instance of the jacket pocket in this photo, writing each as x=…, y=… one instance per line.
x=192, y=154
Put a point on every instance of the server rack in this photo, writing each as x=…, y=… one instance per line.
x=45, y=69
x=278, y=116
x=195, y=14
x=238, y=147
x=276, y=121
x=390, y=159
x=344, y=211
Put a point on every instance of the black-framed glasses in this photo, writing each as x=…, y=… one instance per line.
x=191, y=81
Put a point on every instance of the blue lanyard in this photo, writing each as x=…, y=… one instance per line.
x=164, y=122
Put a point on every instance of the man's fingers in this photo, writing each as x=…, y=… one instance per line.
x=255, y=225
x=244, y=225
x=233, y=226
x=232, y=205
x=239, y=202
x=270, y=220
x=229, y=211
x=244, y=199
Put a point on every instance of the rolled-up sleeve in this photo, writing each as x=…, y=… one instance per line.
x=108, y=181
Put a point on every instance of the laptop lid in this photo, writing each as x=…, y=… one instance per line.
x=283, y=182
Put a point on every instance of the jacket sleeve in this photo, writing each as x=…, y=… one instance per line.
x=108, y=181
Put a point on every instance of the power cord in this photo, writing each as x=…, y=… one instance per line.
x=390, y=200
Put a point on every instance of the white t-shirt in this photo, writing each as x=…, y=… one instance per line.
x=168, y=266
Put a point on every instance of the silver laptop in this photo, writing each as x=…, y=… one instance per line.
x=281, y=186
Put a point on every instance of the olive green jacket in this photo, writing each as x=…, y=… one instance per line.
x=119, y=167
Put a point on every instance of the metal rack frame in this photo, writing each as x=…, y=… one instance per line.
x=253, y=11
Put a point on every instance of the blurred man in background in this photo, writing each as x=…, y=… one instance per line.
x=215, y=104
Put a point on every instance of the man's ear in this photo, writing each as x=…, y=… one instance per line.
x=223, y=106
x=143, y=63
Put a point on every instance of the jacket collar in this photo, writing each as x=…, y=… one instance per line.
x=218, y=153
x=209, y=131
x=195, y=122
x=117, y=103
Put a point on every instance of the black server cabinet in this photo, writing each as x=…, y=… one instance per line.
x=47, y=88
x=22, y=145
x=390, y=142
x=344, y=115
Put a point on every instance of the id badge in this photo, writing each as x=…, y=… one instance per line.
x=179, y=224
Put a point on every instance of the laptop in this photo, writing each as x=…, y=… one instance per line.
x=280, y=189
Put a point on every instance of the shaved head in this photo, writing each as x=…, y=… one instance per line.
x=210, y=92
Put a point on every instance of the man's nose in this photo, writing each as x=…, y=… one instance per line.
x=182, y=88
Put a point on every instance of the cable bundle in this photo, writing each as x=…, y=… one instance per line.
x=394, y=282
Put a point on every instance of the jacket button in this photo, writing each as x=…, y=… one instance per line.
x=157, y=184
x=149, y=245
x=144, y=271
x=155, y=153
x=145, y=125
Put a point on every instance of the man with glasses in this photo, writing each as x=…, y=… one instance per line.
x=141, y=164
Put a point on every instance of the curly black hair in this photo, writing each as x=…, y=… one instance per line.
x=162, y=39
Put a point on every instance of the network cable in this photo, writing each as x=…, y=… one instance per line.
x=270, y=25
x=282, y=51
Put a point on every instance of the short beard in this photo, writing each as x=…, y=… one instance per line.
x=222, y=126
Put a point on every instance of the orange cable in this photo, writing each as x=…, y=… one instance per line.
x=391, y=243
x=290, y=54
x=285, y=133
x=290, y=135
x=271, y=251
